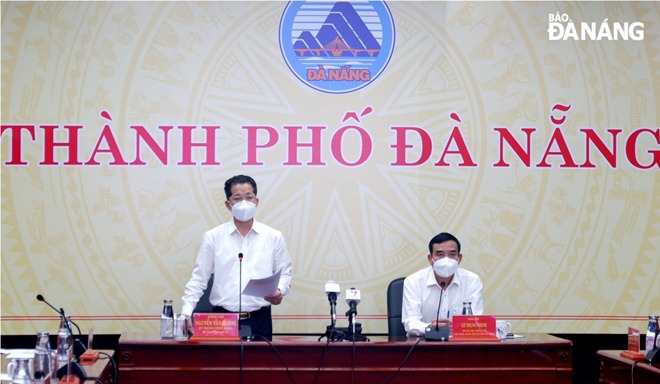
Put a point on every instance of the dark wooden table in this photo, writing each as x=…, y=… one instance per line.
x=615, y=369
x=536, y=358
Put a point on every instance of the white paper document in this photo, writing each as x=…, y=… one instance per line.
x=262, y=287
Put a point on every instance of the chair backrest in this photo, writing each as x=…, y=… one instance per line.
x=394, y=303
x=204, y=304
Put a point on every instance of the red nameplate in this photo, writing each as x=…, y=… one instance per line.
x=473, y=328
x=633, y=352
x=215, y=326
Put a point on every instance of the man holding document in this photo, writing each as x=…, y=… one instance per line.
x=241, y=250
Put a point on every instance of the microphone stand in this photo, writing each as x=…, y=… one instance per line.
x=354, y=328
x=72, y=366
x=244, y=331
x=332, y=297
x=78, y=347
x=438, y=333
x=331, y=331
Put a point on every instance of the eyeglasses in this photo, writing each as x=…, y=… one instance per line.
x=239, y=198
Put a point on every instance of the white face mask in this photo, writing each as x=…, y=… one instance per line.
x=445, y=267
x=243, y=211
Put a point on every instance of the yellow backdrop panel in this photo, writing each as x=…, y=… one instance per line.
x=559, y=249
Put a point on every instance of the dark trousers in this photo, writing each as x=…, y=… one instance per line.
x=260, y=321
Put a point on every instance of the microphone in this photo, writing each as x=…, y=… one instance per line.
x=352, y=299
x=41, y=298
x=78, y=346
x=244, y=330
x=438, y=333
x=354, y=328
x=332, y=290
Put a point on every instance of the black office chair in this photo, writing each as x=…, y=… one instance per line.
x=204, y=305
x=394, y=303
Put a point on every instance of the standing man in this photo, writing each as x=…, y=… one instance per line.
x=421, y=290
x=263, y=253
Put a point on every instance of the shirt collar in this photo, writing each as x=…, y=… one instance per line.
x=256, y=227
x=430, y=278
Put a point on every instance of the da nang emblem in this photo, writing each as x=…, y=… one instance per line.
x=337, y=47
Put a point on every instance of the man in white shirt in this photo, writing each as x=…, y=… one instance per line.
x=262, y=251
x=421, y=290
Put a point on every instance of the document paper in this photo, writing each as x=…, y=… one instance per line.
x=262, y=287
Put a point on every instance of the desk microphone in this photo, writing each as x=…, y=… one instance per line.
x=352, y=299
x=40, y=297
x=438, y=333
x=332, y=290
x=72, y=367
x=244, y=330
x=78, y=346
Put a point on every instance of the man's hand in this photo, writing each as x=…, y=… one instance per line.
x=440, y=323
x=275, y=298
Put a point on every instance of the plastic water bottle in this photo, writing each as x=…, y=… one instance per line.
x=64, y=343
x=467, y=308
x=167, y=321
x=651, y=330
x=42, y=365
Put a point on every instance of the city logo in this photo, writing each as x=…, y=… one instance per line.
x=336, y=47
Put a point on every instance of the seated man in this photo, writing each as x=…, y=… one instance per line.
x=421, y=290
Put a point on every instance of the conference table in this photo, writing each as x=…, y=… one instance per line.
x=615, y=369
x=534, y=358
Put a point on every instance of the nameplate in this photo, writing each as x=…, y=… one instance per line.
x=215, y=327
x=633, y=352
x=473, y=328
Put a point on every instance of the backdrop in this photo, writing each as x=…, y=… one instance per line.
x=527, y=129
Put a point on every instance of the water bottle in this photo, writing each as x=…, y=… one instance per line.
x=167, y=321
x=64, y=342
x=467, y=308
x=651, y=330
x=42, y=362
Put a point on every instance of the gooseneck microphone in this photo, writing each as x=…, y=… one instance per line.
x=41, y=298
x=438, y=333
x=332, y=290
x=437, y=316
x=78, y=347
x=244, y=330
x=60, y=312
x=71, y=368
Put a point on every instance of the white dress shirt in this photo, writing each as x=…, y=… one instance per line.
x=264, y=253
x=421, y=294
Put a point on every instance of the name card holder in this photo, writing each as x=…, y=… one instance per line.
x=474, y=328
x=633, y=352
x=215, y=327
